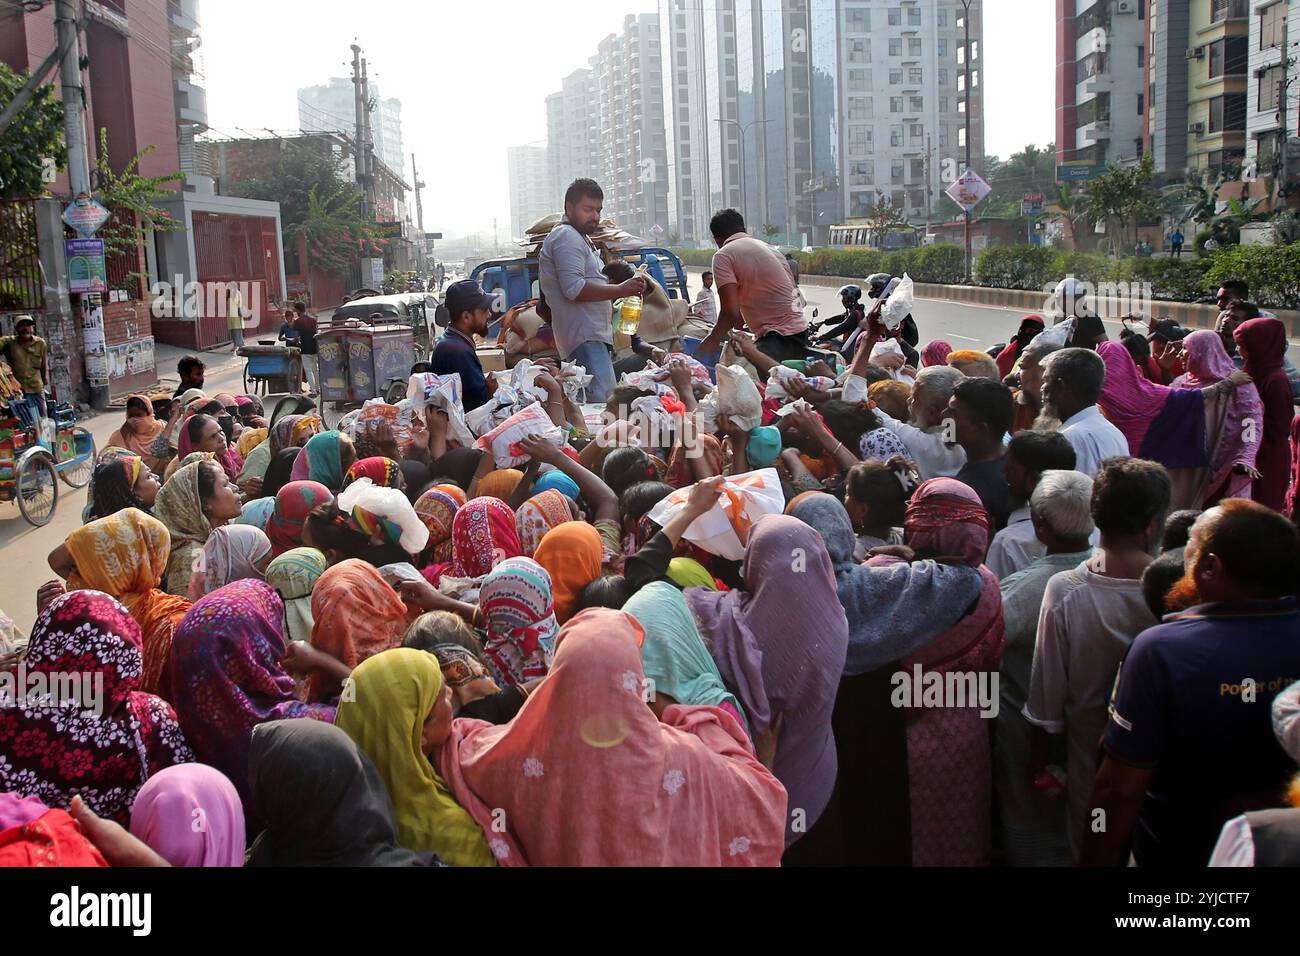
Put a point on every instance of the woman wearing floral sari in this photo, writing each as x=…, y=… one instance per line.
x=125, y=555
x=227, y=676
x=437, y=508
x=538, y=515
x=1233, y=442
x=326, y=458
x=57, y=750
x=518, y=613
x=291, y=431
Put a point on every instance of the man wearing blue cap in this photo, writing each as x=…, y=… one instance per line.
x=470, y=309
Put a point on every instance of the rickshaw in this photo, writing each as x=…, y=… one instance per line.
x=271, y=367
x=33, y=453
x=361, y=358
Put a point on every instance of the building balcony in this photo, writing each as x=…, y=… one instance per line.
x=184, y=15
x=191, y=104
x=1093, y=85
x=1095, y=132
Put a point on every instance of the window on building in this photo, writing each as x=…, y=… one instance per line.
x=974, y=50
x=961, y=135
x=914, y=16
x=859, y=51
x=916, y=104
x=862, y=172
x=943, y=104
x=1142, y=57
x=1221, y=10
x=1228, y=113
x=1142, y=104
x=918, y=170
x=918, y=132
x=943, y=76
x=895, y=46
x=943, y=18
x=859, y=108
x=897, y=197
x=895, y=77
x=943, y=136
x=913, y=46
x=858, y=20
x=895, y=104
x=1272, y=25
x=858, y=82
x=896, y=172
x=1228, y=57
x=914, y=76
x=896, y=16
x=895, y=136
x=1094, y=64
x=686, y=150
x=1270, y=87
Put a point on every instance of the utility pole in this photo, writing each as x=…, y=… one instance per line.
x=419, y=213
x=970, y=95
x=358, y=101
x=928, y=149
x=494, y=236
x=368, y=144
x=74, y=97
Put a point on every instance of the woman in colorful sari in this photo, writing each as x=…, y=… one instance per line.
x=1163, y=424
x=231, y=553
x=674, y=655
x=400, y=713
x=172, y=801
x=437, y=508
x=138, y=433
x=500, y=483
x=572, y=553
x=683, y=789
x=125, y=556
x=121, y=482
x=293, y=504
x=518, y=612
x=892, y=611
x=384, y=472
x=291, y=431
x=538, y=515
x=1233, y=443
x=227, y=676
x=191, y=503
x=204, y=433
x=249, y=439
x=321, y=800
x=1263, y=345
x=357, y=615
x=785, y=676
x=951, y=825
x=325, y=458
x=483, y=535
x=294, y=575
x=54, y=750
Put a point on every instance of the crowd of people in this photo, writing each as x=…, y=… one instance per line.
x=1033, y=606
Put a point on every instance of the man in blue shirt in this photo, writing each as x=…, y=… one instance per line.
x=470, y=309
x=1190, y=742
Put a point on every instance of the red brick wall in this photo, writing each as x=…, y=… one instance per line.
x=126, y=323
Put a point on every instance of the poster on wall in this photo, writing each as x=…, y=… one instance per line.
x=86, y=269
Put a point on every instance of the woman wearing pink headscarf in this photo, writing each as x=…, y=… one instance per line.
x=950, y=824
x=935, y=353
x=588, y=776
x=1234, y=426
x=190, y=815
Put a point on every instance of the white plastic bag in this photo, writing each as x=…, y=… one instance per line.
x=738, y=398
x=724, y=529
x=503, y=441
x=442, y=392
x=780, y=377
x=898, y=306
x=389, y=504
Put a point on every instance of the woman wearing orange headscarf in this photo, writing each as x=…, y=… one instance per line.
x=125, y=555
x=139, y=431
x=571, y=553
x=357, y=615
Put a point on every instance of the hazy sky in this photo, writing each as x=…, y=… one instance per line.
x=473, y=77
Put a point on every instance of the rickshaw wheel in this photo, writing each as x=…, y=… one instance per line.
x=78, y=475
x=247, y=390
x=38, y=490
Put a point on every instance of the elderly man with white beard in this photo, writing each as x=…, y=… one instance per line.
x=1072, y=381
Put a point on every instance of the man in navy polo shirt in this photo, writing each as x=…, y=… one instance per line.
x=470, y=309
x=1190, y=742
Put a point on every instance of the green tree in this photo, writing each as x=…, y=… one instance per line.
x=36, y=132
x=1028, y=171
x=770, y=231
x=132, y=199
x=1124, y=197
x=317, y=203
x=884, y=215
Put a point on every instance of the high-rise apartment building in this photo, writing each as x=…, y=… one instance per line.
x=1102, y=91
x=571, y=133
x=530, y=187
x=1272, y=106
x=331, y=107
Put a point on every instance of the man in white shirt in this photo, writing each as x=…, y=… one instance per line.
x=1072, y=381
x=705, y=305
x=927, y=437
x=1029, y=454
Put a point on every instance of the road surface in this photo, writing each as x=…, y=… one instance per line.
x=24, y=549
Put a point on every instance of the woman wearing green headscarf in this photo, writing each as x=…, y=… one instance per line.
x=293, y=575
x=398, y=712
x=674, y=654
x=325, y=458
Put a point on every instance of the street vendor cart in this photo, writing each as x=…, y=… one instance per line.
x=361, y=360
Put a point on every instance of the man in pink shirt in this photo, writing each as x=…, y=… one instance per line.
x=755, y=289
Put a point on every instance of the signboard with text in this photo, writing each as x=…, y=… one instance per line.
x=969, y=190
x=86, y=269
x=85, y=216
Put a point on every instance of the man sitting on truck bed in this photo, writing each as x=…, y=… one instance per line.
x=471, y=310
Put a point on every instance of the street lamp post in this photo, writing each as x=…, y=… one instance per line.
x=744, y=185
x=969, y=92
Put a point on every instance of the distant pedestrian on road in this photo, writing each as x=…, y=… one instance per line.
x=305, y=327
x=235, y=313
x=1176, y=243
x=576, y=290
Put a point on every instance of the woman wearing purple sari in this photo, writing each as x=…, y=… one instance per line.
x=1234, y=426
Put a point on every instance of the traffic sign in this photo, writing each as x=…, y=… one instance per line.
x=85, y=216
x=969, y=190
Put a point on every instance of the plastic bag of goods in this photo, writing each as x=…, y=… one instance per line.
x=503, y=441
x=724, y=529
x=738, y=397
x=376, y=413
x=898, y=305
x=780, y=377
x=443, y=392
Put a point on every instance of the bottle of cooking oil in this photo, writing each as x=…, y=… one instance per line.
x=629, y=315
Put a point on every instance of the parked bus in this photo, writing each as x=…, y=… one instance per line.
x=861, y=234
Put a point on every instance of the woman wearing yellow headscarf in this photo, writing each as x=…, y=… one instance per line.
x=399, y=713
x=125, y=555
